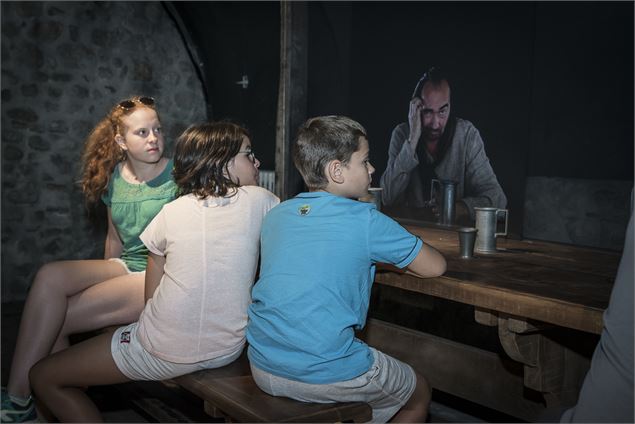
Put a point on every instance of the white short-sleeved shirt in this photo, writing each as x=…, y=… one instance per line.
x=199, y=309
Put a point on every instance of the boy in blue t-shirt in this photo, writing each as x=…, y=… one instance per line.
x=319, y=252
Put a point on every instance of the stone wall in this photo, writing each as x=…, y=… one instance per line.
x=64, y=64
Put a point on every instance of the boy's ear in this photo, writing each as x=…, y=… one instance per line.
x=334, y=171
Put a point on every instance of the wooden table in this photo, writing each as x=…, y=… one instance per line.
x=553, y=283
x=543, y=297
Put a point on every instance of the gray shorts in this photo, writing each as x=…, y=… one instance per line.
x=136, y=363
x=386, y=387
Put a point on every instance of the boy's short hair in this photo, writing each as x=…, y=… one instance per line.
x=321, y=140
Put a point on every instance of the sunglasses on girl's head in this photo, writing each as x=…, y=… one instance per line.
x=129, y=104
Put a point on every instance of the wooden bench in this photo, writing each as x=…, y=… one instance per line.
x=230, y=392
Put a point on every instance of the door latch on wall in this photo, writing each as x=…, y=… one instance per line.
x=244, y=83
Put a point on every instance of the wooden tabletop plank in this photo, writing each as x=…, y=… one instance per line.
x=563, y=285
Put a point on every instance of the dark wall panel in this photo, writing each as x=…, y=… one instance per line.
x=236, y=39
x=330, y=44
x=582, y=103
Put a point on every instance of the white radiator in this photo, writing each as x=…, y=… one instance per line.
x=267, y=180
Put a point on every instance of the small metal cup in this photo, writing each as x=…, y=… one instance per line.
x=467, y=237
x=374, y=196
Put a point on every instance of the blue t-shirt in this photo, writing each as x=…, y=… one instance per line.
x=317, y=266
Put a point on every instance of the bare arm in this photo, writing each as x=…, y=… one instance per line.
x=113, y=246
x=154, y=273
x=428, y=263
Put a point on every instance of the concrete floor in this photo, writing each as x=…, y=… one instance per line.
x=129, y=402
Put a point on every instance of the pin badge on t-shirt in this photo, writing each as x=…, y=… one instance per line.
x=125, y=337
x=304, y=210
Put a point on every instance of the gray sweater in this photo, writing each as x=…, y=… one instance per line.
x=464, y=162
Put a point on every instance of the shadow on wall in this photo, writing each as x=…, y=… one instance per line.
x=591, y=213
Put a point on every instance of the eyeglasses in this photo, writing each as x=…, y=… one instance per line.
x=250, y=155
x=129, y=104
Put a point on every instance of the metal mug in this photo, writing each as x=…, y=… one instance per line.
x=375, y=195
x=467, y=237
x=486, y=219
x=444, y=202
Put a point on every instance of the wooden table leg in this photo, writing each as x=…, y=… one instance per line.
x=549, y=367
x=543, y=358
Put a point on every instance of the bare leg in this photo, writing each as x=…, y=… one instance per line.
x=58, y=380
x=113, y=302
x=416, y=409
x=45, y=310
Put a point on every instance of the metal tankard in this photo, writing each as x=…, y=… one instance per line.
x=444, y=200
x=486, y=219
